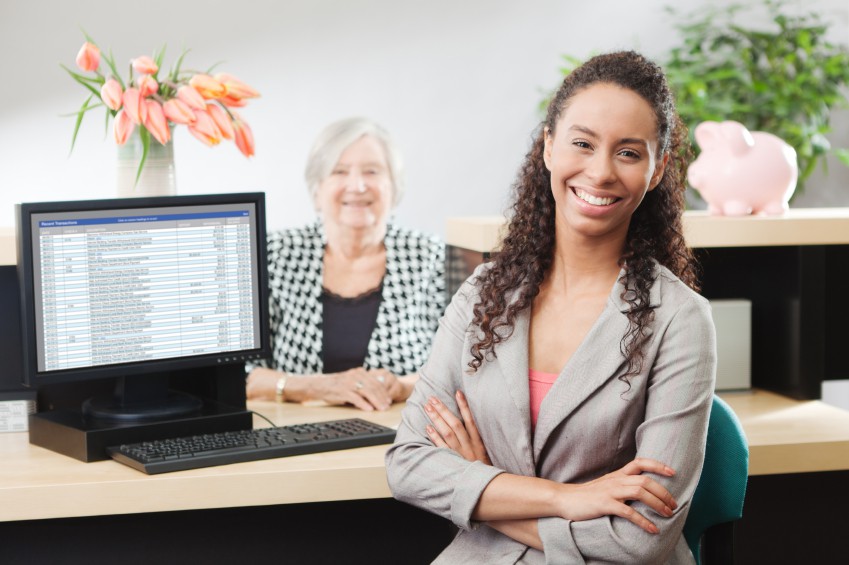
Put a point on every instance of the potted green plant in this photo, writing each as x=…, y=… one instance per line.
x=784, y=79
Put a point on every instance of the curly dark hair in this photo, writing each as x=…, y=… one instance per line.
x=654, y=234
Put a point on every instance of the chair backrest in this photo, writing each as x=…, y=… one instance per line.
x=722, y=485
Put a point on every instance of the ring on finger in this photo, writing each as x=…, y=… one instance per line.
x=381, y=379
x=359, y=385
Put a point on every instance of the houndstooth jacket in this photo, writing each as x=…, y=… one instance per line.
x=412, y=302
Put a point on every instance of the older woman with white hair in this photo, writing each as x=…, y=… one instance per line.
x=355, y=300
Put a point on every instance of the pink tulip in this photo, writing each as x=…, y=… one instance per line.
x=207, y=86
x=88, y=59
x=134, y=105
x=156, y=123
x=233, y=102
x=144, y=65
x=178, y=111
x=147, y=85
x=205, y=129
x=244, y=137
x=123, y=127
x=221, y=119
x=111, y=93
x=236, y=88
x=191, y=97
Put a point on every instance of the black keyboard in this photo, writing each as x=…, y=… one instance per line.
x=192, y=452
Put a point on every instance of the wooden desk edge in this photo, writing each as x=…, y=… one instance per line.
x=175, y=493
x=108, y=487
x=799, y=226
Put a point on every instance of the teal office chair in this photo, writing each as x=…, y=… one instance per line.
x=718, y=499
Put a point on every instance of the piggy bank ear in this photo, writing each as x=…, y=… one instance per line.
x=737, y=137
x=707, y=135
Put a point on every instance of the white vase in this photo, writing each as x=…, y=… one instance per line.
x=157, y=177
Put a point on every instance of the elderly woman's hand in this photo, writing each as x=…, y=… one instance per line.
x=399, y=388
x=364, y=389
x=374, y=389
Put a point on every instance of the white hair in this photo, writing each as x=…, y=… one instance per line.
x=336, y=138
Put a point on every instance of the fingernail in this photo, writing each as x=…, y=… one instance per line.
x=653, y=529
x=667, y=511
x=434, y=400
x=674, y=504
x=670, y=471
x=429, y=430
x=428, y=408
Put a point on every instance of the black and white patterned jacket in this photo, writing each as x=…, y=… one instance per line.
x=413, y=300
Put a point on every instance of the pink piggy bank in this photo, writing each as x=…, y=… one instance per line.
x=740, y=172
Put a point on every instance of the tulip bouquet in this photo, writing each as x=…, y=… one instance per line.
x=204, y=103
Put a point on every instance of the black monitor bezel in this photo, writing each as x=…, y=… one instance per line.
x=34, y=378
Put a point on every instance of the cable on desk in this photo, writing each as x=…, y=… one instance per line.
x=263, y=417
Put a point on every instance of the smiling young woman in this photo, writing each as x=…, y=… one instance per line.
x=562, y=414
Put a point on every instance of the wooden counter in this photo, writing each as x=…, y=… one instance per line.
x=785, y=436
x=800, y=226
x=37, y=483
x=791, y=436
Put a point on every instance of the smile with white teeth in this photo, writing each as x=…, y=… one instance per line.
x=594, y=200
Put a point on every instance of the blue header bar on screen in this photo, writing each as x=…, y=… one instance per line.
x=141, y=219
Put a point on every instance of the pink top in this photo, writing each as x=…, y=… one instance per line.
x=540, y=383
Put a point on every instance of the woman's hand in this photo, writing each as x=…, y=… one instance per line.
x=367, y=390
x=398, y=388
x=261, y=384
x=359, y=387
x=460, y=435
x=606, y=496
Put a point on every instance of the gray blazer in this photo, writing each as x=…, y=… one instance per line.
x=590, y=423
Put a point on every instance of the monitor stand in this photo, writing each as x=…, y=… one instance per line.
x=139, y=399
x=196, y=402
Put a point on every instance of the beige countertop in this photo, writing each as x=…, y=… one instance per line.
x=785, y=436
x=801, y=226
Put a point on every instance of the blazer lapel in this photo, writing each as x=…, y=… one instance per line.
x=597, y=360
x=512, y=362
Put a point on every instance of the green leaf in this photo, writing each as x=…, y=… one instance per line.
x=80, y=115
x=88, y=37
x=83, y=81
x=175, y=73
x=84, y=109
x=110, y=60
x=212, y=68
x=157, y=58
x=842, y=154
x=82, y=78
x=145, y=138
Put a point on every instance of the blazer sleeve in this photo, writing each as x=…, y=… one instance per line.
x=674, y=431
x=437, y=479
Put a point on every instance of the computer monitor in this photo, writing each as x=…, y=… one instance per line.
x=143, y=291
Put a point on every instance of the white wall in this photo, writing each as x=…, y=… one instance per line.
x=456, y=82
